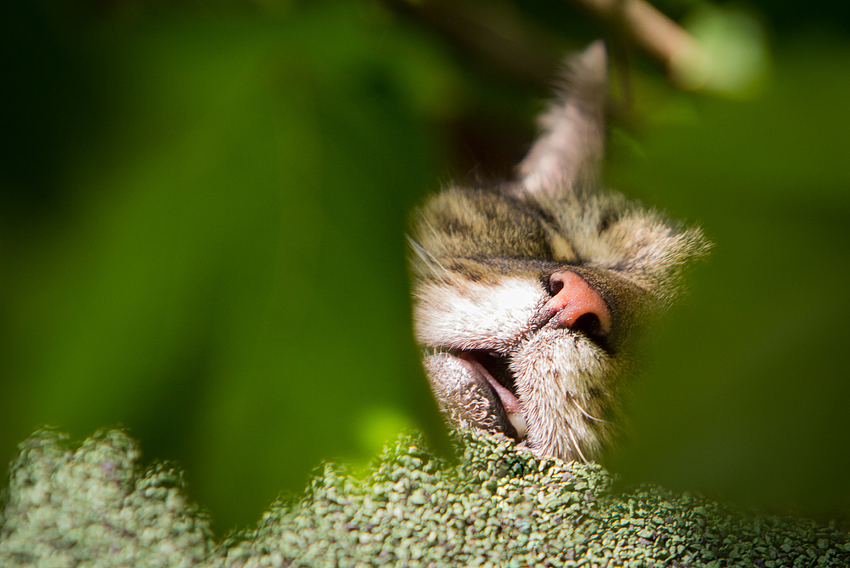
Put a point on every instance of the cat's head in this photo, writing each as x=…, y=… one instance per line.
x=527, y=294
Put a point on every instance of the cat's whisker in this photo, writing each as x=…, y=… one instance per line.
x=575, y=444
x=430, y=260
x=587, y=414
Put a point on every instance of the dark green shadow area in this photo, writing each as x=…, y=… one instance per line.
x=748, y=381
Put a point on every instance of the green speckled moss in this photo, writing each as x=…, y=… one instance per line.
x=89, y=506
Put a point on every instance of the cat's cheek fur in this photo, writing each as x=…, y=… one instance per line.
x=474, y=315
x=564, y=383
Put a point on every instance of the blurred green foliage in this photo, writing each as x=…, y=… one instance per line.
x=220, y=261
x=201, y=238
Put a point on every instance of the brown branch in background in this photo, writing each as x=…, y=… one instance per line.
x=496, y=32
x=647, y=27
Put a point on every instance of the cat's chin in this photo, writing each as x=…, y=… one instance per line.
x=566, y=381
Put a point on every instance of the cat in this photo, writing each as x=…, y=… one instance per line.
x=527, y=295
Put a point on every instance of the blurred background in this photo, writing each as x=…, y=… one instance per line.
x=203, y=207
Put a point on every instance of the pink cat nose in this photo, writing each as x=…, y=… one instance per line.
x=577, y=304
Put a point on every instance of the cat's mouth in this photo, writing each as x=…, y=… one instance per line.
x=494, y=368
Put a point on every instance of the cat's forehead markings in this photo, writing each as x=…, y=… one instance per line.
x=562, y=249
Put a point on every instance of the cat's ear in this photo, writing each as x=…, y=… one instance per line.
x=570, y=148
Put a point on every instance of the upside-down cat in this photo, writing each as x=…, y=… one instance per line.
x=527, y=294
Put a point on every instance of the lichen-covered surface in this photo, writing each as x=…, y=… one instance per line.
x=89, y=506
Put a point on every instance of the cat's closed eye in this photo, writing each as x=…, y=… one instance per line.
x=527, y=294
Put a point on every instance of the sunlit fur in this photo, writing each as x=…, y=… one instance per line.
x=482, y=257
